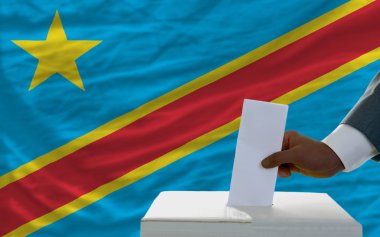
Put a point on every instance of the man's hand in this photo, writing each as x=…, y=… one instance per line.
x=304, y=155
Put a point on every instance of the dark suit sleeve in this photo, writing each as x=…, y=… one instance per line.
x=365, y=116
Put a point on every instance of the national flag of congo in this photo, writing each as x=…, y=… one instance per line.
x=106, y=103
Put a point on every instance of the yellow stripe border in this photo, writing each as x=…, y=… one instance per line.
x=130, y=117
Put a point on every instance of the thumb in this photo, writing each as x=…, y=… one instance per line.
x=279, y=158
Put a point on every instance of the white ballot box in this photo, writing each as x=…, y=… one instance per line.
x=196, y=214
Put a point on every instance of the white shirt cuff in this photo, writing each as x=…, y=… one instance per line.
x=351, y=146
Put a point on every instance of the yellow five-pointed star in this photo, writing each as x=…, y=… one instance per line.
x=56, y=54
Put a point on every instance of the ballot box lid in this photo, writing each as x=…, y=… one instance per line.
x=288, y=207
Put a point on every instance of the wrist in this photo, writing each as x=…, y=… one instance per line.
x=335, y=164
x=352, y=147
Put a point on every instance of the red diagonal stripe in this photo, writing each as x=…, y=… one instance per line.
x=189, y=117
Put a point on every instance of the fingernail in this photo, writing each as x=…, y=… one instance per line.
x=265, y=163
x=283, y=173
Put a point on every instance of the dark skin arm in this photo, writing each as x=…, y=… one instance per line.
x=304, y=155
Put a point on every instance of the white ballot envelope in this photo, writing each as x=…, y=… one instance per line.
x=261, y=133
